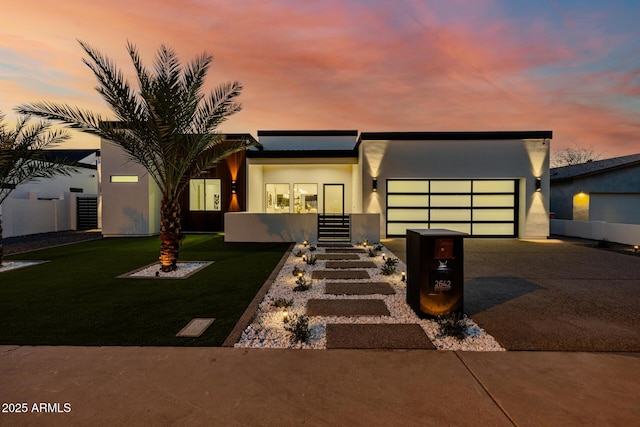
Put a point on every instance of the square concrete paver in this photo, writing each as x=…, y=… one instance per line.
x=358, y=288
x=344, y=251
x=377, y=336
x=350, y=264
x=337, y=274
x=333, y=257
x=347, y=307
x=195, y=327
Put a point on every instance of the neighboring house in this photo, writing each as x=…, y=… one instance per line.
x=596, y=199
x=338, y=185
x=56, y=204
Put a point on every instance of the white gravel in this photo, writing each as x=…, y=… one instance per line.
x=13, y=265
x=184, y=270
x=267, y=327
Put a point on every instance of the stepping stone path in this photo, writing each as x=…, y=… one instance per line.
x=343, y=262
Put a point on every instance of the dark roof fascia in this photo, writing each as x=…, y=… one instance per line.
x=307, y=133
x=454, y=136
x=302, y=154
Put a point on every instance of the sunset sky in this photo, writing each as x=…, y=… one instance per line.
x=570, y=66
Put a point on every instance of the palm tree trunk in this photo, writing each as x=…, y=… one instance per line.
x=169, y=233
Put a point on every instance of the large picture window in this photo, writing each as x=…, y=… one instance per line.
x=277, y=198
x=204, y=195
x=305, y=198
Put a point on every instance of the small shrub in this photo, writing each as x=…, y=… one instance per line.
x=452, y=325
x=603, y=244
x=311, y=259
x=378, y=247
x=302, y=285
x=296, y=271
x=281, y=303
x=298, y=253
x=372, y=252
x=298, y=326
x=389, y=266
x=312, y=248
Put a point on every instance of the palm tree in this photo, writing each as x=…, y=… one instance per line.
x=22, y=158
x=168, y=125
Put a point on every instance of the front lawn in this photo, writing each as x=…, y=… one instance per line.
x=76, y=299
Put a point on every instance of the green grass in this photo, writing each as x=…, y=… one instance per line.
x=76, y=299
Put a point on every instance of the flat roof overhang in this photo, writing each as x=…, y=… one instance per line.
x=454, y=136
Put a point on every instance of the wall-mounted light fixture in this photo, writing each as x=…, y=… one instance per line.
x=374, y=184
x=538, y=183
x=234, y=186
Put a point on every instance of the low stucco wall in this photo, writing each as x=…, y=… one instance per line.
x=21, y=217
x=628, y=234
x=262, y=227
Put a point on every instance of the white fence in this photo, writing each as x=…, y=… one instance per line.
x=21, y=217
x=628, y=234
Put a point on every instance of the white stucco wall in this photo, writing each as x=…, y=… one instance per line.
x=21, y=217
x=127, y=208
x=501, y=159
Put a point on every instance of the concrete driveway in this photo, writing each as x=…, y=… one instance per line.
x=550, y=294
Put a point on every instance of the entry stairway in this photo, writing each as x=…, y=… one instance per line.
x=334, y=228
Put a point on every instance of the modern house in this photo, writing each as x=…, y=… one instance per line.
x=59, y=203
x=598, y=199
x=342, y=185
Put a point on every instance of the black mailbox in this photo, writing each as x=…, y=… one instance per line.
x=435, y=273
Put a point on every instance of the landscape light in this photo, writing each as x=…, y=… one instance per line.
x=285, y=316
x=404, y=276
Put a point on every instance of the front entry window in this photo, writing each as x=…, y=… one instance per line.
x=277, y=198
x=204, y=195
x=305, y=198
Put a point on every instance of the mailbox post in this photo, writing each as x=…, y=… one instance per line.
x=435, y=273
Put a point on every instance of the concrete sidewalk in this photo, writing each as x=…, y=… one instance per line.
x=227, y=386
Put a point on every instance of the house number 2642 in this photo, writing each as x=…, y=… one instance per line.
x=442, y=285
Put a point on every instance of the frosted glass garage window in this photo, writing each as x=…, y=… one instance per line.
x=497, y=229
x=408, y=200
x=450, y=186
x=204, y=195
x=450, y=201
x=493, y=200
x=450, y=214
x=408, y=214
x=501, y=186
x=493, y=214
x=407, y=186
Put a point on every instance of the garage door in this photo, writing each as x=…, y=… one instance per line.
x=479, y=207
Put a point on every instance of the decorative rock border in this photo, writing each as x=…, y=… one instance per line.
x=152, y=271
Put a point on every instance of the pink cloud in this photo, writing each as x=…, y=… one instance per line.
x=337, y=64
